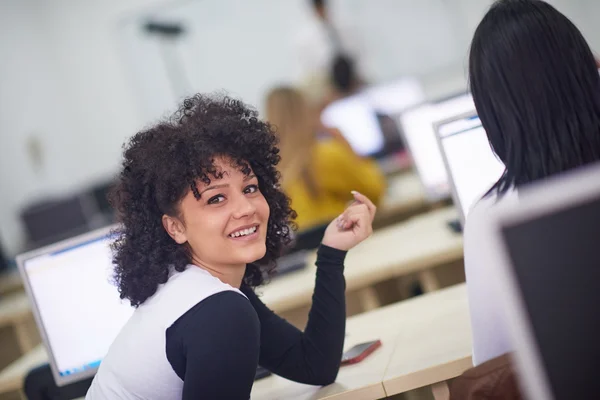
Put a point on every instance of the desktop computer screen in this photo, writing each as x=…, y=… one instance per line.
x=54, y=220
x=558, y=253
x=76, y=305
x=419, y=137
x=368, y=119
x=543, y=253
x=471, y=164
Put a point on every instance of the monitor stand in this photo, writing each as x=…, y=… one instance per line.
x=455, y=226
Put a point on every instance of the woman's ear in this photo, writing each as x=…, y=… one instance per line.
x=174, y=228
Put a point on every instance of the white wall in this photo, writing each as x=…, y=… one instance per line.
x=30, y=106
x=248, y=46
x=62, y=80
x=65, y=80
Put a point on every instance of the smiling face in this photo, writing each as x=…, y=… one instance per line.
x=227, y=226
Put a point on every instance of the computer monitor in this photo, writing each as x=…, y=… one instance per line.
x=56, y=219
x=544, y=250
x=76, y=306
x=3, y=260
x=368, y=119
x=419, y=137
x=393, y=97
x=472, y=166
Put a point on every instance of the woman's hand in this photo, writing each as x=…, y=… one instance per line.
x=353, y=226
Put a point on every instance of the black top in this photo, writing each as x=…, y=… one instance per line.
x=215, y=346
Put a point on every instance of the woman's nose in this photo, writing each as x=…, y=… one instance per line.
x=244, y=207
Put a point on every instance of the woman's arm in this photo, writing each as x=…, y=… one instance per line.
x=312, y=356
x=214, y=348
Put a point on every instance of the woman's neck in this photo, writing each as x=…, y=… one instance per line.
x=229, y=274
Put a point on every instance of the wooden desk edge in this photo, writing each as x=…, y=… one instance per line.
x=23, y=365
x=11, y=385
x=397, y=270
x=372, y=392
x=427, y=377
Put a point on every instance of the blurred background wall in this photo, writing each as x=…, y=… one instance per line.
x=77, y=78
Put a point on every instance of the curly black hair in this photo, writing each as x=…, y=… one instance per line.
x=161, y=164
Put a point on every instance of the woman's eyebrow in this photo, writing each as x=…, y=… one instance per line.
x=215, y=187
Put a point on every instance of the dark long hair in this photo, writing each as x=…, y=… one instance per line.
x=536, y=88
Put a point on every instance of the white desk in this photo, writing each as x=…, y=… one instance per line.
x=11, y=377
x=436, y=343
x=426, y=340
x=404, y=196
x=10, y=281
x=15, y=312
x=418, y=244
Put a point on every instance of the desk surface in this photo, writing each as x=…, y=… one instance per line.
x=10, y=281
x=405, y=194
x=434, y=342
x=417, y=244
x=11, y=377
x=425, y=340
x=14, y=308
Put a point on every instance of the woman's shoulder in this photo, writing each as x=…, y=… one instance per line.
x=182, y=291
x=477, y=221
x=233, y=304
x=481, y=209
x=331, y=151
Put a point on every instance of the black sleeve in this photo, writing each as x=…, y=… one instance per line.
x=312, y=356
x=214, y=348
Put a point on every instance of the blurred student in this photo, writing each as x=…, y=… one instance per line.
x=345, y=79
x=318, y=166
x=325, y=48
x=536, y=88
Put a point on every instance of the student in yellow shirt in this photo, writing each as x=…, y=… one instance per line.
x=318, y=166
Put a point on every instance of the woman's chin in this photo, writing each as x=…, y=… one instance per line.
x=252, y=254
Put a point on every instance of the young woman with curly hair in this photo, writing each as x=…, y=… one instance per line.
x=203, y=220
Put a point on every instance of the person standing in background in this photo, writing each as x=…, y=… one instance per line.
x=325, y=50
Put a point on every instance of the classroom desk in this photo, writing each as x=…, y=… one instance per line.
x=10, y=281
x=11, y=377
x=15, y=312
x=416, y=245
x=404, y=196
x=426, y=340
x=436, y=344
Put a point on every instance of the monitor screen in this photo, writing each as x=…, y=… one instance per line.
x=368, y=119
x=54, y=220
x=471, y=164
x=419, y=137
x=76, y=304
x=555, y=261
